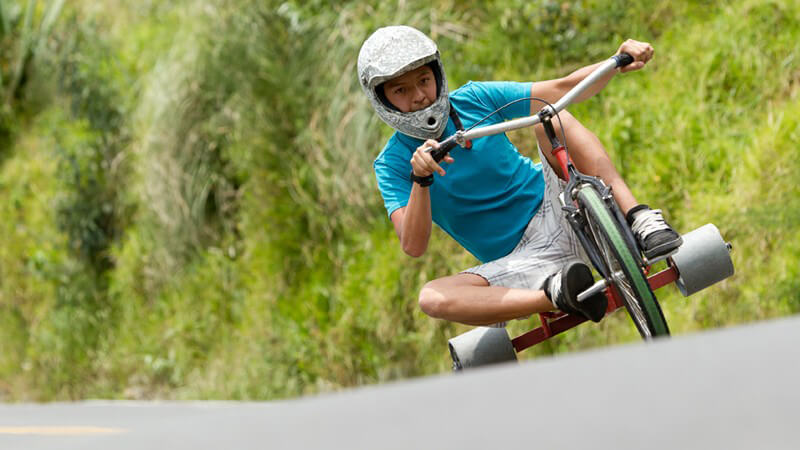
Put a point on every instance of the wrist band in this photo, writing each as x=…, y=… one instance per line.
x=422, y=181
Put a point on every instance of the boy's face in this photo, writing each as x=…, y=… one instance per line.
x=413, y=90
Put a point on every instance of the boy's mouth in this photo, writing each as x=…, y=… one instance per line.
x=423, y=106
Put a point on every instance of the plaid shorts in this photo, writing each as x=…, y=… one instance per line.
x=546, y=246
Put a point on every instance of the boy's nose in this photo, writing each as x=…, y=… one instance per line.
x=419, y=95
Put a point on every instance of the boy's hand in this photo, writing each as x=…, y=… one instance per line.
x=422, y=162
x=642, y=52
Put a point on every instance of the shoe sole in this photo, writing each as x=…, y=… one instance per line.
x=579, y=278
x=664, y=250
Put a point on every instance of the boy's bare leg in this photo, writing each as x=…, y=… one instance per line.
x=468, y=298
x=588, y=155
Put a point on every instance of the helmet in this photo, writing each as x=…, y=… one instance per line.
x=390, y=52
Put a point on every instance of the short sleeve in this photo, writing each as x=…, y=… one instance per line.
x=393, y=181
x=499, y=93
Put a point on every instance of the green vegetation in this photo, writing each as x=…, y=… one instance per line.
x=188, y=207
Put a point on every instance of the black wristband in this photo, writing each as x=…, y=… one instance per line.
x=422, y=181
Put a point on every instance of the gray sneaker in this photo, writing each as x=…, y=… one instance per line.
x=656, y=238
x=563, y=287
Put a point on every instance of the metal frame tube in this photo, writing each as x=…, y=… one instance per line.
x=562, y=103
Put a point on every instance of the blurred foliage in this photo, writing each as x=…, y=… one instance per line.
x=190, y=212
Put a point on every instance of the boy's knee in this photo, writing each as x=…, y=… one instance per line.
x=432, y=301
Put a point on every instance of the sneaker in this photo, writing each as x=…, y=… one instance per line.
x=656, y=238
x=563, y=287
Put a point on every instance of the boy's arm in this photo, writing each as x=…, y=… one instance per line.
x=413, y=222
x=552, y=90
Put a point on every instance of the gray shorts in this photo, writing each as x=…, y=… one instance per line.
x=547, y=244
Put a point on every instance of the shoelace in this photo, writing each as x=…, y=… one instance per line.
x=648, y=222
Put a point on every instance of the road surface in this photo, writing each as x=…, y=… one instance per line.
x=737, y=388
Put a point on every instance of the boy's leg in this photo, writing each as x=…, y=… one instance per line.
x=543, y=272
x=468, y=298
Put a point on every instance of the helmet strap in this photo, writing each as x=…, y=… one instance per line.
x=459, y=126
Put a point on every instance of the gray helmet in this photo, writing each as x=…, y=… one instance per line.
x=390, y=52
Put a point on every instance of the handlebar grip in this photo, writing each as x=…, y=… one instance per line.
x=623, y=59
x=444, y=148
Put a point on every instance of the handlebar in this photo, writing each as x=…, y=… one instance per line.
x=623, y=59
x=616, y=61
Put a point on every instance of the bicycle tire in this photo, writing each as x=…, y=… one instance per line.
x=626, y=274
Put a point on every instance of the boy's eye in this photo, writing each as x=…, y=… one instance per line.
x=399, y=90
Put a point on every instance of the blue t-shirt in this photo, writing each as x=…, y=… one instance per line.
x=490, y=192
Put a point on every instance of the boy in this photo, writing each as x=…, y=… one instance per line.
x=496, y=203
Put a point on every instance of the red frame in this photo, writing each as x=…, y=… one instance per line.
x=554, y=323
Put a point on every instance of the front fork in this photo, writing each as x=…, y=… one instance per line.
x=557, y=322
x=573, y=214
x=574, y=179
x=558, y=150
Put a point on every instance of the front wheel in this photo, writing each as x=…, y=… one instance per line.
x=625, y=274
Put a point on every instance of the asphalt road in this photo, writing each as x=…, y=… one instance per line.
x=737, y=388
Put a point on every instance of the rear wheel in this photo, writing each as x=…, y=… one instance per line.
x=625, y=274
x=481, y=346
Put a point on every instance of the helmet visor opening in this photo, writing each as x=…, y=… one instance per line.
x=381, y=93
